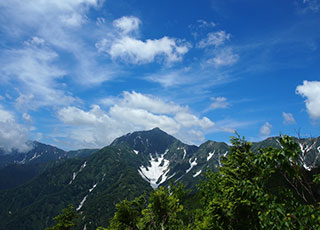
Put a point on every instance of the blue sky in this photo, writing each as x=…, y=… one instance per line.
x=79, y=73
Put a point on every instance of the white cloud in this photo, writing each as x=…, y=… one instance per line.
x=189, y=120
x=50, y=21
x=171, y=78
x=132, y=50
x=127, y=24
x=265, y=130
x=132, y=112
x=69, y=12
x=33, y=72
x=288, y=118
x=149, y=103
x=230, y=125
x=35, y=41
x=100, y=21
x=224, y=57
x=219, y=103
x=311, y=91
x=311, y=5
x=214, y=39
x=26, y=117
x=135, y=51
x=13, y=136
x=204, y=24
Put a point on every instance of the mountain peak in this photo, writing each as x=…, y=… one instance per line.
x=149, y=141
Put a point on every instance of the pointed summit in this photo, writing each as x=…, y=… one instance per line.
x=151, y=141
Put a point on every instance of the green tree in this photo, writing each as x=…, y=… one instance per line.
x=65, y=220
x=269, y=190
x=128, y=214
x=161, y=211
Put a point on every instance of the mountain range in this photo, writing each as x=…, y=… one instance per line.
x=95, y=180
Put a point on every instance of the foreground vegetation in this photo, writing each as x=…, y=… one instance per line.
x=269, y=190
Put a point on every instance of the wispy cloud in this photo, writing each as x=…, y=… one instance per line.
x=219, y=103
x=288, y=118
x=214, y=39
x=310, y=5
x=223, y=57
x=31, y=68
x=49, y=35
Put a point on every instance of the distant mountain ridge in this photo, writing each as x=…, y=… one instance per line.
x=40, y=153
x=17, y=168
x=129, y=166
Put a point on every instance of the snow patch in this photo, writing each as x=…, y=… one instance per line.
x=85, y=198
x=82, y=202
x=192, y=164
x=159, y=168
x=178, y=179
x=306, y=166
x=21, y=162
x=91, y=189
x=35, y=156
x=210, y=155
x=136, y=152
x=219, y=158
x=75, y=174
x=304, y=149
x=197, y=173
x=279, y=143
x=171, y=176
x=184, y=153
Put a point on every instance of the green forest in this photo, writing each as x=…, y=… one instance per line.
x=266, y=190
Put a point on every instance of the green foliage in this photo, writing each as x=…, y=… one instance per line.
x=161, y=211
x=65, y=220
x=128, y=214
x=269, y=190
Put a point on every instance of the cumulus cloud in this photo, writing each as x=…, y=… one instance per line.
x=127, y=24
x=13, y=136
x=288, y=118
x=224, y=57
x=219, y=103
x=130, y=49
x=265, y=130
x=131, y=112
x=214, y=39
x=311, y=91
x=149, y=103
